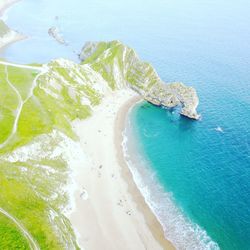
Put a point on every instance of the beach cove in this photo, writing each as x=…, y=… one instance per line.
x=109, y=207
x=187, y=160
x=126, y=216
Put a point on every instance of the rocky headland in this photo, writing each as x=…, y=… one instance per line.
x=120, y=66
x=7, y=35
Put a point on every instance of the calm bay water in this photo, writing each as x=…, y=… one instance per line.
x=206, y=44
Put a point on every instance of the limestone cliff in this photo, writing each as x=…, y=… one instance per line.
x=7, y=35
x=120, y=66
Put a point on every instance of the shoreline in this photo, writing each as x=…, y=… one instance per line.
x=152, y=224
x=149, y=232
x=5, y=4
x=108, y=206
x=150, y=217
x=11, y=36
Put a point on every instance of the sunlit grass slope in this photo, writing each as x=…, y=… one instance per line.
x=119, y=65
x=37, y=106
x=37, y=144
x=10, y=235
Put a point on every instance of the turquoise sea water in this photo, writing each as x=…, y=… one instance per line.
x=195, y=175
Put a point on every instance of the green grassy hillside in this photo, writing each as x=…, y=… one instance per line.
x=42, y=102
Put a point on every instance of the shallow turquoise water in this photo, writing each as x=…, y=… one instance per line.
x=206, y=171
x=205, y=44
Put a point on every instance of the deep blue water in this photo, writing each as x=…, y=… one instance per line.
x=203, y=43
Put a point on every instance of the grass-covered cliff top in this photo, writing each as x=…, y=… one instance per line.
x=119, y=65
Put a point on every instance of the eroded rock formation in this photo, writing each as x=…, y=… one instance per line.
x=120, y=66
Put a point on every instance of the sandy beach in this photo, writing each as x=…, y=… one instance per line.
x=110, y=212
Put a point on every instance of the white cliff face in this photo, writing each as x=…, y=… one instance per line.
x=121, y=67
x=7, y=35
x=173, y=94
x=89, y=49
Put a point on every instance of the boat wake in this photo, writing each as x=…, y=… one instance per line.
x=219, y=129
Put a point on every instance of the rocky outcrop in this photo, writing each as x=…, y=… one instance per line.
x=55, y=33
x=7, y=35
x=120, y=66
x=4, y=29
x=173, y=94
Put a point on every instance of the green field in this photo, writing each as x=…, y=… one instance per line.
x=10, y=235
x=41, y=102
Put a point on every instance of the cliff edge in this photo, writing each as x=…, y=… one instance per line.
x=120, y=66
x=7, y=35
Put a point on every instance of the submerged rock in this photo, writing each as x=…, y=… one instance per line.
x=120, y=66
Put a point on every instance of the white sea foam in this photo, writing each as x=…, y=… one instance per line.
x=219, y=129
x=180, y=230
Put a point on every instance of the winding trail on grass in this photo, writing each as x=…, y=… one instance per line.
x=32, y=242
x=42, y=70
